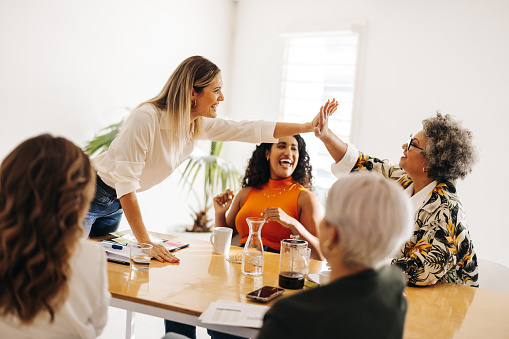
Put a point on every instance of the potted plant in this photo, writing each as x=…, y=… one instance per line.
x=218, y=173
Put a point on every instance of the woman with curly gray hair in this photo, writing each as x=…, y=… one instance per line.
x=440, y=248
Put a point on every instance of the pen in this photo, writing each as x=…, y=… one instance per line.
x=112, y=245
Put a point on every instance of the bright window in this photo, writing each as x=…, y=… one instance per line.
x=318, y=67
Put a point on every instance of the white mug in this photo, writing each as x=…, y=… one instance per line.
x=221, y=239
x=324, y=277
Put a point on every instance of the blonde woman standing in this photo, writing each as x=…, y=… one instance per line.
x=158, y=136
x=53, y=283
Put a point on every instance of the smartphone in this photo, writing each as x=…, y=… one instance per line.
x=265, y=293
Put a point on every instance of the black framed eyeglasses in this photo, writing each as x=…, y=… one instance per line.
x=410, y=140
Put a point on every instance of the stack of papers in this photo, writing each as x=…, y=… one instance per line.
x=125, y=239
x=117, y=248
x=233, y=313
x=116, y=252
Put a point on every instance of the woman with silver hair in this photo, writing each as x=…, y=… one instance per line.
x=440, y=248
x=360, y=301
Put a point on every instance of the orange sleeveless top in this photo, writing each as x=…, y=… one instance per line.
x=275, y=193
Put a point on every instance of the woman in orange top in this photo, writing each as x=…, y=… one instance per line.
x=276, y=186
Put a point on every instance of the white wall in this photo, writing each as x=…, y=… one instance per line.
x=68, y=67
x=418, y=56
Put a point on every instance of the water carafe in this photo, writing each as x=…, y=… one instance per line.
x=252, y=257
x=293, y=263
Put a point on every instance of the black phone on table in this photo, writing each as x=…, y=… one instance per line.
x=265, y=293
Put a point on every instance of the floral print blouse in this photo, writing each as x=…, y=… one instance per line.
x=440, y=248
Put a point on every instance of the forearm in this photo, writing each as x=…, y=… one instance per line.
x=313, y=242
x=220, y=219
x=335, y=146
x=132, y=213
x=284, y=129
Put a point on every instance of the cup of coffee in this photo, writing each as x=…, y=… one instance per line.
x=140, y=254
x=221, y=239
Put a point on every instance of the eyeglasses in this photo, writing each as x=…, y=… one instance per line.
x=410, y=140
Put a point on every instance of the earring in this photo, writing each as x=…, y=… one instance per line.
x=268, y=159
x=424, y=170
x=193, y=103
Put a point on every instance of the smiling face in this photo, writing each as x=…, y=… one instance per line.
x=412, y=160
x=208, y=99
x=283, y=157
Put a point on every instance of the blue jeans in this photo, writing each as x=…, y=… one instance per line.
x=105, y=212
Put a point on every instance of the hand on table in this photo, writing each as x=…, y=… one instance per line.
x=159, y=252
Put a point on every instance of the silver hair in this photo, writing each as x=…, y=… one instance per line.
x=449, y=150
x=373, y=217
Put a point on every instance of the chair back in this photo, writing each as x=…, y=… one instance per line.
x=493, y=276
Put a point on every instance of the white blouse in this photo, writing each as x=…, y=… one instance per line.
x=139, y=158
x=85, y=312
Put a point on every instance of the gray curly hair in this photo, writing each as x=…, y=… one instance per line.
x=449, y=150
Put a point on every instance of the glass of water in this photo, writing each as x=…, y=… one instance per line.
x=140, y=255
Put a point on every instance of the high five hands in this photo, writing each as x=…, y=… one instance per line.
x=321, y=126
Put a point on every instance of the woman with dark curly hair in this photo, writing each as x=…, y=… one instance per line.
x=54, y=283
x=441, y=248
x=276, y=186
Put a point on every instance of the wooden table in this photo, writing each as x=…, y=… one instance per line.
x=181, y=292
x=454, y=311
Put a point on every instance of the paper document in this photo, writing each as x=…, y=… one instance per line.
x=116, y=252
x=170, y=245
x=233, y=313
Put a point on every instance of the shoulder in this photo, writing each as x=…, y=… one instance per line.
x=307, y=197
x=243, y=193
x=89, y=252
x=143, y=115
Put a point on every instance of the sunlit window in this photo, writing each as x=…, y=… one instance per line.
x=318, y=67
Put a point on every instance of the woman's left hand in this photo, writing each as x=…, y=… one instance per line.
x=277, y=214
x=159, y=252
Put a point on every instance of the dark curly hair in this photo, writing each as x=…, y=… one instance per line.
x=449, y=151
x=46, y=185
x=258, y=168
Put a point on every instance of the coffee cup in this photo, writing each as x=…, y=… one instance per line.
x=221, y=239
x=324, y=277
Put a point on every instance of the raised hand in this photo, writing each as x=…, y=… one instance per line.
x=321, y=128
x=223, y=201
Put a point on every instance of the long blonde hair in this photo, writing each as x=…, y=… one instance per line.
x=46, y=185
x=174, y=101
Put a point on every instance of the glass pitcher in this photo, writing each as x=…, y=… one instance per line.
x=293, y=263
x=252, y=257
